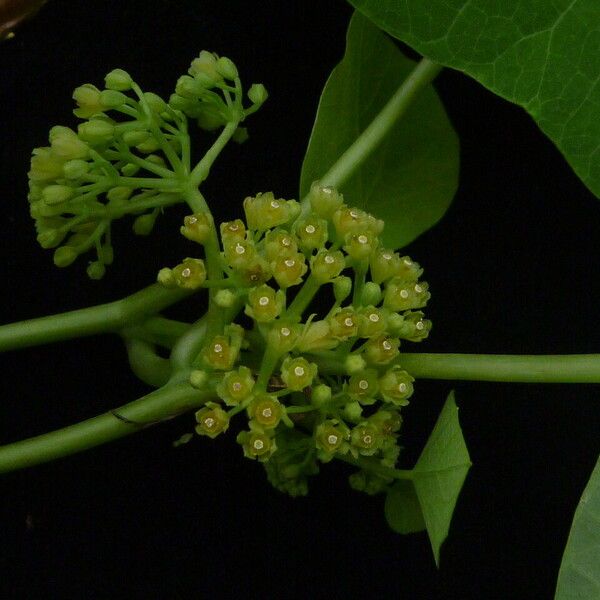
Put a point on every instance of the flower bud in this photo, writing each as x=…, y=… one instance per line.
x=56, y=194
x=396, y=386
x=344, y=324
x=233, y=230
x=45, y=166
x=198, y=379
x=96, y=270
x=298, y=373
x=155, y=103
x=253, y=272
x=330, y=437
x=256, y=443
x=118, y=80
x=381, y=350
x=166, y=278
x=112, y=99
x=265, y=410
x=64, y=256
x=402, y=295
x=119, y=195
x=236, y=386
x=257, y=94
x=371, y=322
x=265, y=212
x=414, y=327
x=74, y=169
x=205, y=64
x=197, y=227
x=87, y=97
x=353, y=412
x=239, y=253
x=354, y=363
x=366, y=439
x=96, y=131
x=353, y=220
x=66, y=145
x=150, y=144
x=363, y=386
x=316, y=337
x=320, y=395
x=226, y=68
x=324, y=200
x=359, y=246
x=342, y=286
x=136, y=137
x=190, y=274
x=264, y=304
x=384, y=265
x=225, y=298
x=283, y=336
x=129, y=170
x=312, y=233
x=50, y=238
x=144, y=224
x=408, y=270
x=240, y=135
x=289, y=270
x=219, y=353
x=279, y=243
x=388, y=421
x=188, y=87
x=371, y=294
x=212, y=420
x=327, y=265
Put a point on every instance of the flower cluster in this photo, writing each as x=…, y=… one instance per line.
x=130, y=155
x=319, y=373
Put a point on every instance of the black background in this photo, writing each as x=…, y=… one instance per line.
x=512, y=269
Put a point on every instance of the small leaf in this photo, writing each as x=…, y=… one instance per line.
x=579, y=575
x=402, y=509
x=411, y=178
x=440, y=473
x=541, y=54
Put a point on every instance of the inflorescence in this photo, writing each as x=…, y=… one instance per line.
x=129, y=156
x=318, y=370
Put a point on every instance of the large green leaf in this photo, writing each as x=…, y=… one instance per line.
x=412, y=176
x=440, y=473
x=402, y=509
x=541, y=54
x=579, y=576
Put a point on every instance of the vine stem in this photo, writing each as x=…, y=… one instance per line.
x=103, y=318
x=156, y=406
x=422, y=75
x=565, y=368
x=514, y=368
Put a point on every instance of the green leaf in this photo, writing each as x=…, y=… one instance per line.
x=402, y=509
x=440, y=473
x=541, y=54
x=579, y=576
x=411, y=178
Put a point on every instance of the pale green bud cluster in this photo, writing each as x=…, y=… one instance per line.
x=204, y=94
x=331, y=372
x=130, y=155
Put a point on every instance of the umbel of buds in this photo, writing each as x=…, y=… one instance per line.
x=317, y=375
x=130, y=155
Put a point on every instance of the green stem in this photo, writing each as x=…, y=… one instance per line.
x=566, y=368
x=146, y=364
x=103, y=318
x=422, y=75
x=303, y=298
x=374, y=467
x=157, y=406
x=362, y=147
x=202, y=169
